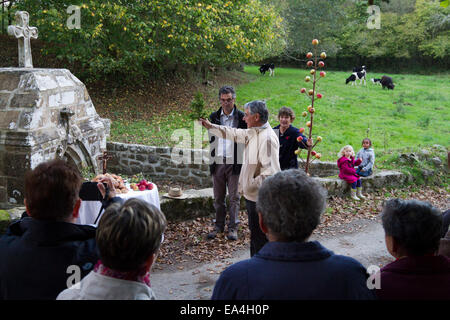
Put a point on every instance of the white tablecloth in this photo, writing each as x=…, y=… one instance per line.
x=89, y=209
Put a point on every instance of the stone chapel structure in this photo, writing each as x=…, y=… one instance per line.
x=44, y=114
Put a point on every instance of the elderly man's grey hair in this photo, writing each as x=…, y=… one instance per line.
x=258, y=106
x=291, y=204
x=226, y=90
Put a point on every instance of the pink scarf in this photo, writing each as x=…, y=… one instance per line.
x=141, y=275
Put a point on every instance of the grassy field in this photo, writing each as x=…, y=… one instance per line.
x=415, y=114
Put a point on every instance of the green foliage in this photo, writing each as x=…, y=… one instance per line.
x=403, y=33
x=312, y=19
x=87, y=172
x=408, y=28
x=129, y=38
x=5, y=221
x=423, y=171
x=198, y=107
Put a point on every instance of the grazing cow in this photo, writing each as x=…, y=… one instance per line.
x=360, y=69
x=359, y=73
x=387, y=82
x=376, y=81
x=267, y=67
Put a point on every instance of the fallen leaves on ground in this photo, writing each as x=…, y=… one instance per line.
x=186, y=241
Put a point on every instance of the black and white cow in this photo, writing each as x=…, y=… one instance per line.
x=376, y=81
x=267, y=67
x=359, y=73
x=387, y=82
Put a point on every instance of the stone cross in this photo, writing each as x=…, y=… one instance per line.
x=104, y=158
x=24, y=33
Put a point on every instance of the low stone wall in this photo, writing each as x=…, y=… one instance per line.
x=379, y=180
x=322, y=168
x=160, y=163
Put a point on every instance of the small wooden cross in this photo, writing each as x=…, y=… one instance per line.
x=104, y=158
x=24, y=33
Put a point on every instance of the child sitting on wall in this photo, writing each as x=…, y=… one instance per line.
x=347, y=172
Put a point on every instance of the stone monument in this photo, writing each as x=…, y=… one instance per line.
x=44, y=114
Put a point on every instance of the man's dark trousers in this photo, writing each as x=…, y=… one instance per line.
x=223, y=177
x=257, y=237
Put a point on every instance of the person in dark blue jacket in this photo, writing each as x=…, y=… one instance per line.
x=290, y=266
x=45, y=251
x=288, y=135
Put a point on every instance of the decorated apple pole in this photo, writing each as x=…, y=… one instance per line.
x=311, y=94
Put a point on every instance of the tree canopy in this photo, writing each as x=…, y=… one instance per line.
x=139, y=37
x=119, y=36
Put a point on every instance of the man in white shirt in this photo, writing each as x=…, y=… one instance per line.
x=226, y=164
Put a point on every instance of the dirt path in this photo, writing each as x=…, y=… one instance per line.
x=196, y=282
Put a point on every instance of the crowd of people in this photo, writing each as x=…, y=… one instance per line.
x=46, y=255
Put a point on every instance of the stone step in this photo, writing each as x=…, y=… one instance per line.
x=200, y=202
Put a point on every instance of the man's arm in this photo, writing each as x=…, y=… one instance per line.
x=268, y=157
x=224, y=132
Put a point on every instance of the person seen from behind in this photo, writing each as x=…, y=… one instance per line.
x=412, y=234
x=292, y=266
x=128, y=237
x=38, y=252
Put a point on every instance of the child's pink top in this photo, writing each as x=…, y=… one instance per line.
x=347, y=170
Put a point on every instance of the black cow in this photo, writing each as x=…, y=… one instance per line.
x=387, y=82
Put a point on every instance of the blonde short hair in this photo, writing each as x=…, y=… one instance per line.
x=347, y=147
x=128, y=234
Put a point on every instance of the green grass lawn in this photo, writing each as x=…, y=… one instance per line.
x=415, y=114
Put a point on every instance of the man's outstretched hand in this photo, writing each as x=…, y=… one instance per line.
x=205, y=123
